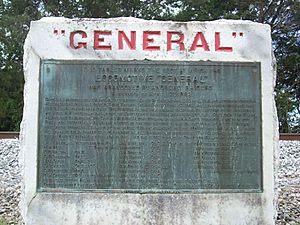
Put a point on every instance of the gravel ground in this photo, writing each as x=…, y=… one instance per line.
x=288, y=186
x=10, y=181
x=289, y=183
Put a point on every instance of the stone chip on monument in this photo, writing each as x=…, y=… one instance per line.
x=128, y=121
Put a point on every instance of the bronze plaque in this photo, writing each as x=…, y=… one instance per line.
x=150, y=126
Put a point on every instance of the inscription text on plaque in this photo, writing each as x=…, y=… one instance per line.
x=145, y=126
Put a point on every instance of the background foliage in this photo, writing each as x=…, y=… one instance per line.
x=282, y=15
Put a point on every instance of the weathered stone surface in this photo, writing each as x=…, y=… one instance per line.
x=100, y=39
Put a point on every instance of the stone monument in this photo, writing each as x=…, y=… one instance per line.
x=128, y=121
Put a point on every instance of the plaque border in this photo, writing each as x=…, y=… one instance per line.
x=149, y=191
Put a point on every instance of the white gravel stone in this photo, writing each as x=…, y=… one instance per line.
x=288, y=182
x=10, y=178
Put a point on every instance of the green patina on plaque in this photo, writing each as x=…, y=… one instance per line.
x=145, y=126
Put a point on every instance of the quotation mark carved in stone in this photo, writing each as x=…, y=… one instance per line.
x=236, y=34
x=59, y=32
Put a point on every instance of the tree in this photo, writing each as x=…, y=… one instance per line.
x=282, y=15
x=284, y=18
x=15, y=17
x=147, y=9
